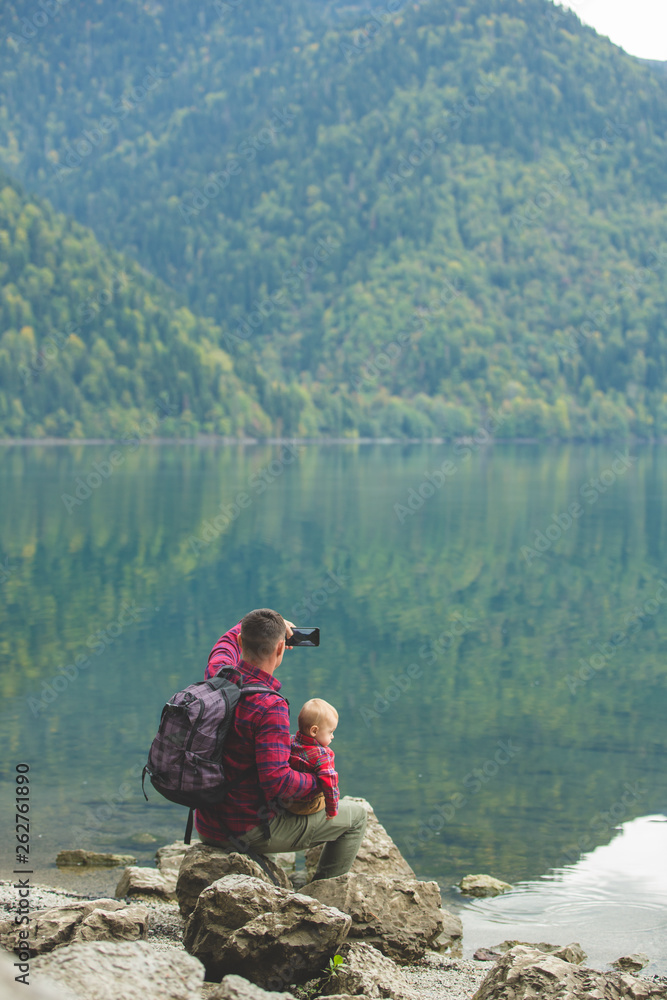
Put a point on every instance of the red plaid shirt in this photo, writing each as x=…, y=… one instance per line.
x=259, y=739
x=309, y=755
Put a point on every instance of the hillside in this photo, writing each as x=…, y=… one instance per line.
x=93, y=346
x=404, y=221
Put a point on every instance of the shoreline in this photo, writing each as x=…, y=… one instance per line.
x=437, y=975
x=213, y=440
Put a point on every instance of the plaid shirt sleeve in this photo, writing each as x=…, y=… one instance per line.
x=225, y=651
x=327, y=778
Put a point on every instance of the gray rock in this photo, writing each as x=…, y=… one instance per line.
x=367, y=972
x=142, y=838
x=269, y=935
x=482, y=885
x=129, y=924
x=399, y=916
x=525, y=973
x=452, y=931
x=377, y=855
x=572, y=952
x=237, y=988
x=286, y=860
x=99, y=920
x=81, y=857
x=631, y=963
x=299, y=879
x=204, y=865
x=147, y=882
x=169, y=857
x=106, y=970
x=11, y=990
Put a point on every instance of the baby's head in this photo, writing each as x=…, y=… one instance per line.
x=318, y=719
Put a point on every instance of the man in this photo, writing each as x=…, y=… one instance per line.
x=256, y=761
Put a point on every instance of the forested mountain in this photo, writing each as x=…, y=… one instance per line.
x=92, y=345
x=413, y=220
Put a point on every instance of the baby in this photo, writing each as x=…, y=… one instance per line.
x=310, y=752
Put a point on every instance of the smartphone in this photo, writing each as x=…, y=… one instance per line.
x=304, y=637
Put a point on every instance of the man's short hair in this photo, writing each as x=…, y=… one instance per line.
x=261, y=631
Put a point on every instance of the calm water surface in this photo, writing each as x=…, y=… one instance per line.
x=494, y=636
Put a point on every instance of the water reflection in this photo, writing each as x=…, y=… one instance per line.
x=445, y=645
x=613, y=902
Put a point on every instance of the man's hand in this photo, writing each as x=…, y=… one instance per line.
x=289, y=628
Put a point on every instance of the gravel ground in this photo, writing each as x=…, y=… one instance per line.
x=437, y=977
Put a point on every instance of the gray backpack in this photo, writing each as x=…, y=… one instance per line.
x=185, y=758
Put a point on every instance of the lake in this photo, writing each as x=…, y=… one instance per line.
x=494, y=637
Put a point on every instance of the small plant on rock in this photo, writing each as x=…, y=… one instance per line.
x=313, y=989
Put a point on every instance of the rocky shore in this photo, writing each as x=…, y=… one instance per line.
x=207, y=924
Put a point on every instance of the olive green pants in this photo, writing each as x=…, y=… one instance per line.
x=340, y=835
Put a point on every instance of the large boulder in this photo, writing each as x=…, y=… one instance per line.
x=98, y=920
x=525, y=973
x=237, y=988
x=147, y=882
x=203, y=865
x=105, y=970
x=451, y=934
x=269, y=935
x=377, y=854
x=399, y=916
x=367, y=972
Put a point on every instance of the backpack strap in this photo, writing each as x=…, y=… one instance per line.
x=188, y=826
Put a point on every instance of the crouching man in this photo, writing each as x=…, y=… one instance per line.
x=256, y=761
